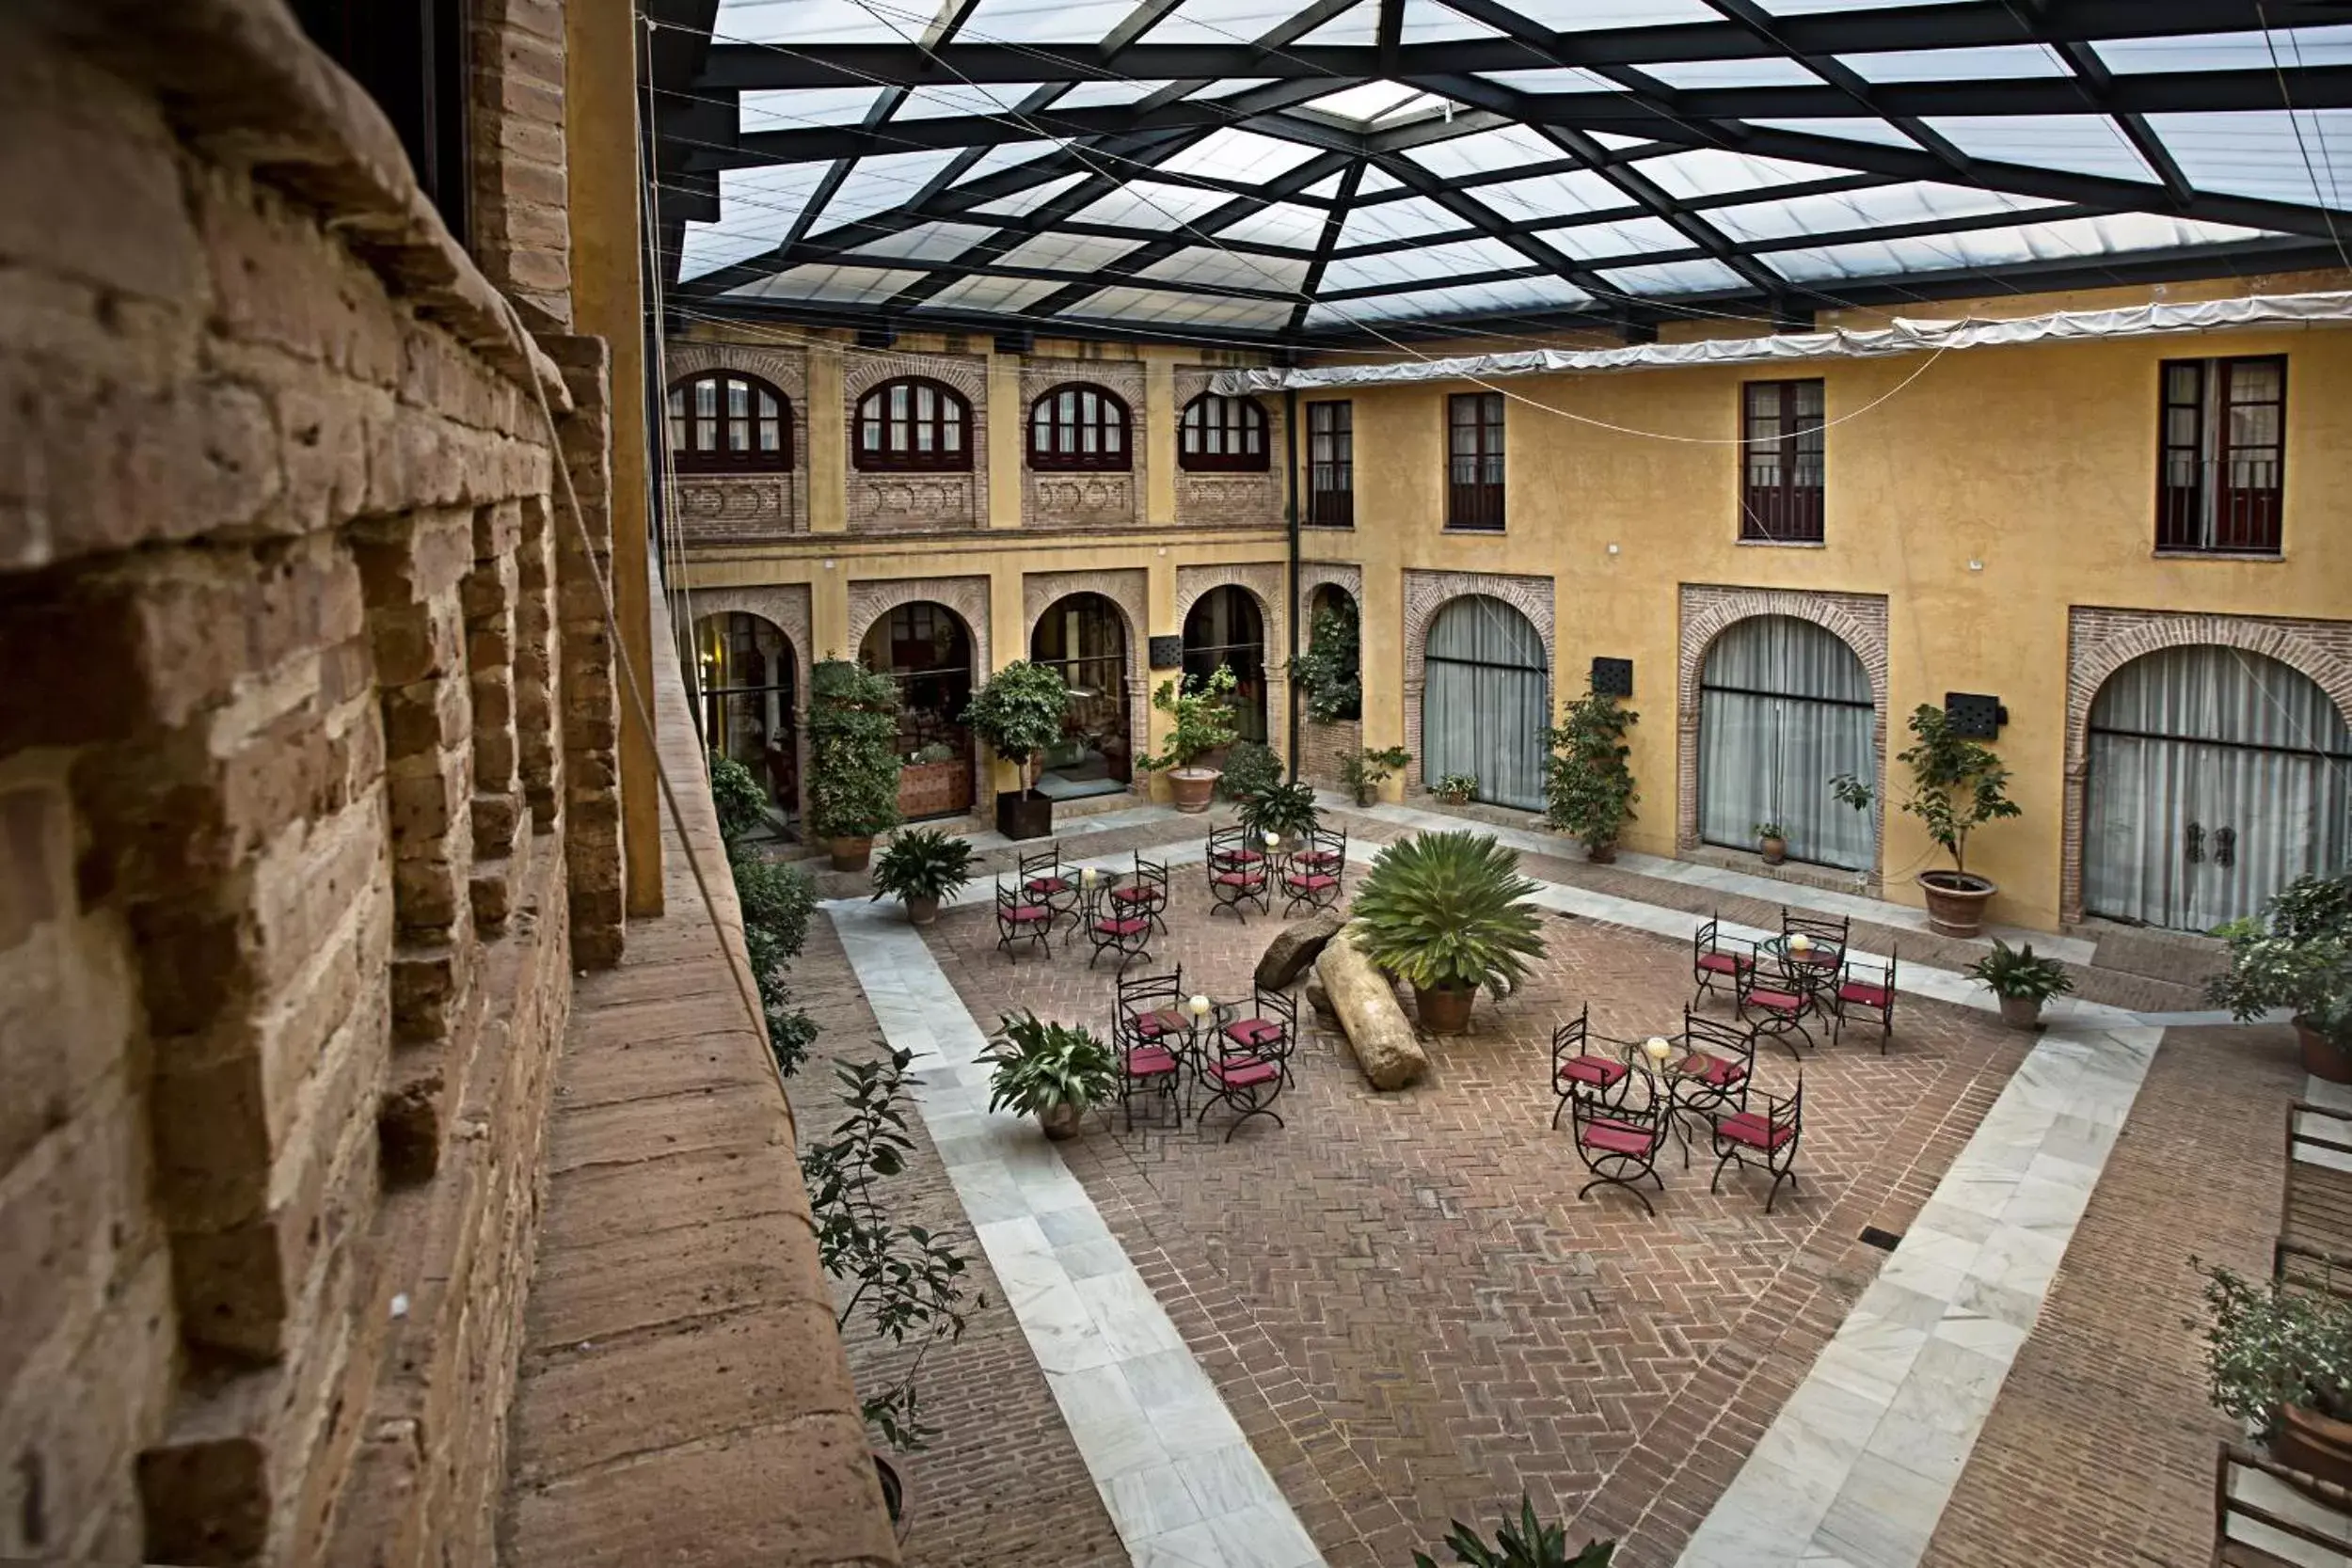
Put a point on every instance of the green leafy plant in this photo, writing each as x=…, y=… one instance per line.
x=1455, y=790
x=854, y=751
x=2296, y=954
x=909, y=1282
x=1769, y=830
x=1364, y=773
x=1524, y=1543
x=1249, y=769
x=1449, y=911
x=1328, y=669
x=1021, y=712
x=922, y=863
x=734, y=791
x=1957, y=786
x=1042, y=1067
x=938, y=751
x=1588, y=785
x=1203, y=711
x=1282, y=809
x=2016, y=971
x=776, y=900
x=2270, y=1345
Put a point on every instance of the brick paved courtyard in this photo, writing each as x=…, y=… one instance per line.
x=1402, y=1301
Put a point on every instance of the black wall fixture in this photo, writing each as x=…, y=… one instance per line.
x=877, y=336
x=1168, y=653
x=1973, y=716
x=1015, y=342
x=1612, y=678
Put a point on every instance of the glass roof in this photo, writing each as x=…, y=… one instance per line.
x=1304, y=170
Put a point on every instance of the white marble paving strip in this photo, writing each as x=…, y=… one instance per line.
x=1080, y=825
x=1856, y=1469
x=2335, y=1097
x=1181, y=1481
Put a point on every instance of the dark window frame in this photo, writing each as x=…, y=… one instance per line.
x=1475, y=504
x=1056, y=446
x=1242, y=425
x=950, y=414
x=415, y=59
x=1331, y=464
x=682, y=409
x=1784, y=508
x=2209, y=515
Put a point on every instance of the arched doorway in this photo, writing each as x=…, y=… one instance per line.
x=1084, y=637
x=1486, y=701
x=2215, y=778
x=926, y=649
x=1784, y=707
x=1224, y=628
x=1331, y=674
x=748, y=679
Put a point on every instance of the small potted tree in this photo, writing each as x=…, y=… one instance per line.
x=2280, y=1357
x=1021, y=714
x=1203, y=712
x=1771, y=843
x=2297, y=955
x=919, y=868
x=1051, y=1071
x=1957, y=786
x=1447, y=912
x=2021, y=982
x=1588, y=785
x=1364, y=773
x=853, y=758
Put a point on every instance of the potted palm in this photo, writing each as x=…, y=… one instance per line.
x=1364, y=773
x=1021, y=713
x=1524, y=1543
x=919, y=868
x=1052, y=1071
x=1204, y=715
x=1588, y=785
x=1447, y=912
x=1771, y=843
x=2021, y=982
x=2280, y=1357
x=853, y=757
x=1957, y=786
x=2297, y=955
x=1282, y=811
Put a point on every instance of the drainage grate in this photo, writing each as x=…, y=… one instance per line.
x=1885, y=1240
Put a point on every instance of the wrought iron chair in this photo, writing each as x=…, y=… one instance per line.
x=1766, y=1139
x=1619, y=1141
x=1020, y=919
x=1718, y=959
x=1577, y=1069
x=1266, y=1025
x=1144, y=893
x=1238, y=873
x=1712, y=1078
x=1150, y=1033
x=1113, y=931
x=1312, y=874
x=1826, y=941
x=1782, y=995
x=1866, y=991
x=1043, y=880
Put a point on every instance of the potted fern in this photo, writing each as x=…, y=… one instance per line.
x=853, y=757
x=1588, y=785
x=2297, y=955
x=1364, y=773
x=2021, y=982
x=1524, y=1543
x=1051, y=1071
x=1021, y=712
x=1447, y=912
x=1455, y=790
x=1957, y=786
x=919, y=868
x=1203, y=712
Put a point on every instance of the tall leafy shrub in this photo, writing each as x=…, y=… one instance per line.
x=854, y=751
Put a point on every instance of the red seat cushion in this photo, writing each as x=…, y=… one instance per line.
x=1318, y=857
x=1150, y=1061
x=1047, y=884
x=1253, y=1032
x=1240, y=1072
x=1029, y=914
x=1754, y=1131
x=1137, y=895
x=1776, y=1000
x=1724, y=963
x=1315, y=883
x=1616, y=1137
x=1251, y=880
x=1151, y=1026
x=1714, y=1072
x=1869, y=996
x=1124, y=925
x=1821, y=956
x=1593, y=1070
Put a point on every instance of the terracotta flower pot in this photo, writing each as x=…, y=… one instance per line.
x=1774, y=850
x=1062, y=1121
x=2315, y=1443
x=1192, y=788
x=2020, y=1012
x=1956, y=901
x=848, y=854
x=894, y=1491
x=1601, y=854
x=921, y=910
x=2322, y=1058
x=1446, y=1009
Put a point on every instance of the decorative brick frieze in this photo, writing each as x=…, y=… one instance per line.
x=1228, y=499
x=1425, y=594
x=881, y=501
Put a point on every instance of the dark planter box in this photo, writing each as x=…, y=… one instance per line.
x=1025, y=814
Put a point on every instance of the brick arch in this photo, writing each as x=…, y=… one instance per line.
x=784, y=607
x=2101, y=641
x=870, y=601
x=1315, y=574
x=870, y=371
x=719, y=507
x=1128, y=590
x=1263, y=582
x=1425, y=594
x=1857, y=620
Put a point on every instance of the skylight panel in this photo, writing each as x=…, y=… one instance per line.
x=791, y=108
x=2256, y=153
x=1486, y=152
x=2295, y=46
x=1675, y=277
x=1881, y=206
x=990, y=294
x=1863, y=129
x=1379, y=222
x=1376, y=181
x=1243, y=157
x=1003, y=157
x=1545, y=293
x=1225, y=269
x=1067, y=252
x=836, y=285
x=1175, y=308
x=1427, y=22
x=1590, y=15
x=1554, y=79
x=1989, y=63
x=1366, y=101
x=1276, y=223
x=1148, y=204
x=1031, y=21
x=1428, y=264
x=997, y=99
x=1589, y=241
x=1550, y=196
x=1982, y=248
x=798, y=20
x=1766, y=70
x=1095, y=95
x=1220, y=21
x=756, y=207
x=927, y=242
x=1713, y=171
x=1814, y=7
x=2081, y=143
x=877, y=184
x=1227, y=88
x=1357, y=25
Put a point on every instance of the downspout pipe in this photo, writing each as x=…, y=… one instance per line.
x=1290, y=442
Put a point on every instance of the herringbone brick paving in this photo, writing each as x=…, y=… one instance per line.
x=1410, y=1312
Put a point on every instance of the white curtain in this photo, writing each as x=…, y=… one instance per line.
x=2215, y=778
x=1784, y=708
x=1487, y=701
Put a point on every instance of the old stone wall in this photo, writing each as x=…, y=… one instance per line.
x=304, y=782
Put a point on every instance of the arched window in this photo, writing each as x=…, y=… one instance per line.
x=726, y=423
x=1078, y=425
x=914, y=422
x=1221, y=434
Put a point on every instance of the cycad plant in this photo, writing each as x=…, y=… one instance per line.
x=1448, y=912
x=1282, y=809
x=919, y=866
x=1524, y=1543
